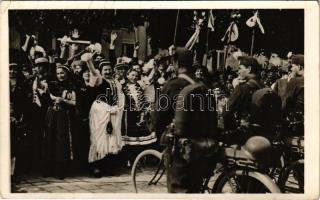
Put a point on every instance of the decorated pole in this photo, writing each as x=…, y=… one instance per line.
x=210, y=28
x=176, y=27
x=252, y=22
x=228, y=46
x=207, y=46
x=232, y=33
x=252, y=42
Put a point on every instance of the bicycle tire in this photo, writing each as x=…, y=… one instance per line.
x=262, y=183
x=152, y=160
x=297, y=170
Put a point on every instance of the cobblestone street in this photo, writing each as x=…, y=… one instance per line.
x=84, y=183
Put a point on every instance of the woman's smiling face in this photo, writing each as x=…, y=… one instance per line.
x=133, y=76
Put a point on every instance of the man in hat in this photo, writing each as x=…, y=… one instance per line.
x=183, y=175
x=40, y=105
x=41, y=67
x=293, y=100
x=288, y=72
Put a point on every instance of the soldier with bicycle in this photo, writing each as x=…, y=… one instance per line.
x=187, y=131
x=252, y=106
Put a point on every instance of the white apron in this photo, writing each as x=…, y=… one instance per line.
x=103, y=143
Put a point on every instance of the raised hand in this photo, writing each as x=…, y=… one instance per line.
x=90, y=48
x=172, y=50
x=113, y=36
x=64, y=40
x=136, y=46
x=86, y=57
x=97, y=48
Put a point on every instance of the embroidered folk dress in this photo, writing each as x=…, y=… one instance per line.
x=105, y=111
x=58, y=126
x=135, y=104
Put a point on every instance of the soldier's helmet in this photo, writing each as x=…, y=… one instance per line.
x=258, y=148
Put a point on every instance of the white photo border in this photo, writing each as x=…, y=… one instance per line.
x=311, y=51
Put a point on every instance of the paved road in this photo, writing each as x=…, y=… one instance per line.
x=84, y=183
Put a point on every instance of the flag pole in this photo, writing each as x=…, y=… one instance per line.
x=176, y=27
x=208, y=32
x=207, y=45
x=227, y=49
x=252, y=41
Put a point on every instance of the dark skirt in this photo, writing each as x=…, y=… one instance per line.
x=57, y=136
x=134, y=134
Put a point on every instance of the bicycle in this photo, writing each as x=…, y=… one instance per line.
x=289, y=175
x=238, y=173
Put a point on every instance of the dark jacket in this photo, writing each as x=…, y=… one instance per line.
x=280, y=87
x=294, y=96
x=240, y=102
x=164, y=112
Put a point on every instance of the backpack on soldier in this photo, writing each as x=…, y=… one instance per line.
x=265, y=107
x=195, y=114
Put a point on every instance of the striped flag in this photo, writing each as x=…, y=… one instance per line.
x=211, y=21
x=254, y=20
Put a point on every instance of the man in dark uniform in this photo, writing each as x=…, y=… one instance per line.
x=293, y=101
x=240, y=99
x=294, y=94
x=183, y=175
x=242, y=111
x=171, y=89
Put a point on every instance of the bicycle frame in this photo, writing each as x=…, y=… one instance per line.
x=161, y=165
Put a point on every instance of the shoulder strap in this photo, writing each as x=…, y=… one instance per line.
x=187, y=78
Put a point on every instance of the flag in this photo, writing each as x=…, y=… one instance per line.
x=194, y=39
x=254, y=20
x=211, y=21
x=232, y=33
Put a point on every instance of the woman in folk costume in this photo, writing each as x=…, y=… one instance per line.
x=85, y=97
x=58, y=127
x=105, y=115
x=137, y=135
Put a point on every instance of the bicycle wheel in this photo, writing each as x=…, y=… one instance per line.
x=236, y=181
x=291, y=179
x=148, y=173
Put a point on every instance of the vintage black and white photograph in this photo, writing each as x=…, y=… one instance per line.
x=157, y=100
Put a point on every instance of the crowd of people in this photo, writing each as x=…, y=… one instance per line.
x=96, y=111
